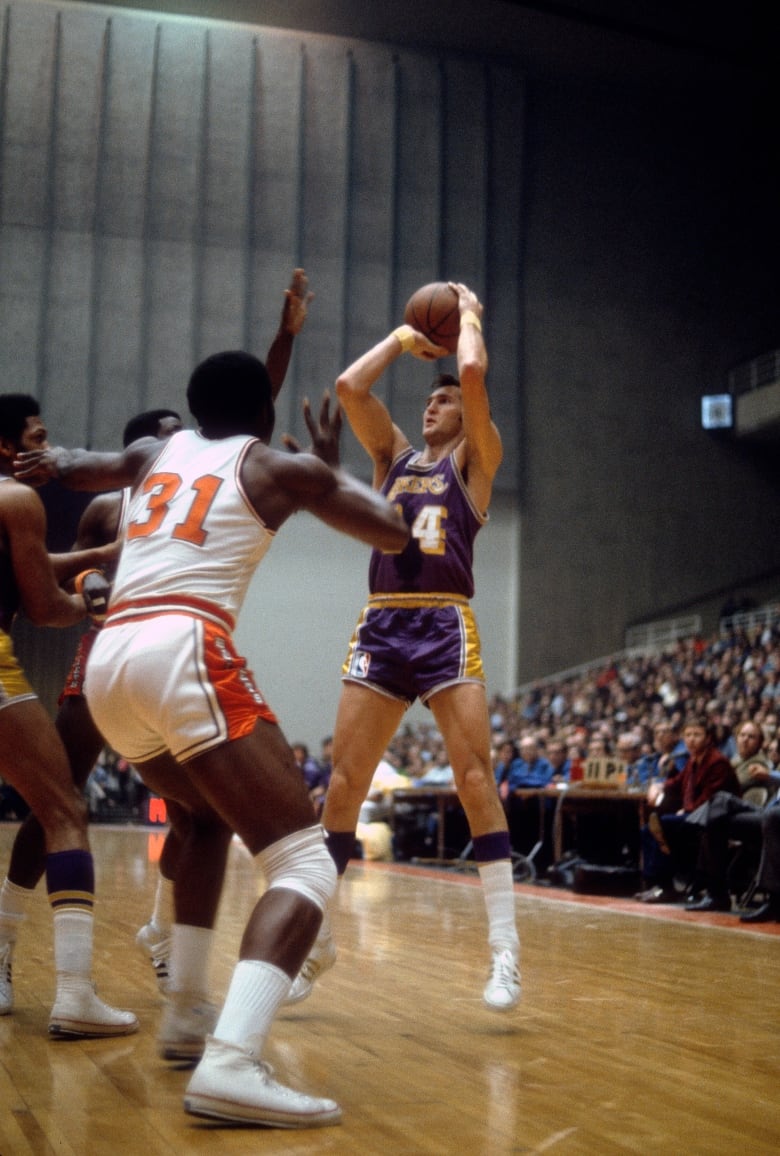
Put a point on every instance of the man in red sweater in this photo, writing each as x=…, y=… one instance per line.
x=669, y=841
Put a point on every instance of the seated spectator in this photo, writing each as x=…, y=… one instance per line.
x=558, y=758
x=532, y=769
x=668, y=757
x=750, y=757
x=317, y=777
x=629, y=750
x=669, y=842
x=439, y=772
x=378, y=804
x=726, y=819
x=507, y=757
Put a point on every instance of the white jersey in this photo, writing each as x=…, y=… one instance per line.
x=192, y=538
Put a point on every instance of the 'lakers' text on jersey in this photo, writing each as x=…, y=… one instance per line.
x=444, y=523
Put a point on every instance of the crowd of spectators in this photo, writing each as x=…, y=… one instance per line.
x=729, y=679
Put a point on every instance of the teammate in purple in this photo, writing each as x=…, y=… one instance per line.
x=417, y=637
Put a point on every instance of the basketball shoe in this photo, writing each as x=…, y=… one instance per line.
x=230, y=1084
x=321, y=958
x=156, y=946
x=502, y=990
x=187, y=1020
x=78, y=1012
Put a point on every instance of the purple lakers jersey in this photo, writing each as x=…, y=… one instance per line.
x=443, y=521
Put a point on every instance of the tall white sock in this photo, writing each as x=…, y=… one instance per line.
x=190, y=958
x=14, y=901
x=498, y=889
x=73, y=931
x=257, y=991
x=163, y=912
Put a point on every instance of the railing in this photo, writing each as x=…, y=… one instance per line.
x=750, y=619
x=760, y=371
x=654, y=636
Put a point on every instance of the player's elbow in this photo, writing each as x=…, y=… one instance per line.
x=471, y=370
x=344, y=388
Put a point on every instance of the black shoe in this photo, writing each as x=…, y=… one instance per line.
x=710, y=903
x=767, y=913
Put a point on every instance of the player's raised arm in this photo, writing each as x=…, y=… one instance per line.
x=296, y=303
x=482, y=451
x=367, y=415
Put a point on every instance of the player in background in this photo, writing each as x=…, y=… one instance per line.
x=100, y=524
x=32, y=756
x=417, y=637
x=170, y=693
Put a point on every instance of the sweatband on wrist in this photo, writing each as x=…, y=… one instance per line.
x=470, y=318
x=79, y=580
x=406, y=336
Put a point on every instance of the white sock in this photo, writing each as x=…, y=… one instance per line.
x=257, y=991
x=190, y=958
x=14, y=901
x=73, y=931
x=163, y=912
x=498, y=889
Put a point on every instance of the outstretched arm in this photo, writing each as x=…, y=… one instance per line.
x=367, y=415
x=296, y=303
x=88, y=469
x=279, y=485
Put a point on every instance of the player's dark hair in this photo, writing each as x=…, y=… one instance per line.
x=228, y=392
x=146, y=425
x=15, y=408
x=444, y=379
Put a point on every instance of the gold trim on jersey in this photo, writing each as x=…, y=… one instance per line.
x=415, y=601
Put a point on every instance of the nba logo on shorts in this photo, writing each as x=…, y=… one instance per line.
x=361, y=663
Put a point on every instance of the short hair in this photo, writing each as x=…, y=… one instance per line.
x=15, y=408
x=442, y=379
x=146, y=425
x=699, y=720
x=229, y=390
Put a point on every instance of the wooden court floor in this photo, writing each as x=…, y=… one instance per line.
x=641, y=1030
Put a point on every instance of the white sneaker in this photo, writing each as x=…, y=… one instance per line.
x=502, y=990
x=79, y=1012
x=6, y=987
x=229, y=1084
x=321, y=958
x=186, y=1022
x=156, y=946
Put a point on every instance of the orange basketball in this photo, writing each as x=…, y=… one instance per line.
x=433, y=310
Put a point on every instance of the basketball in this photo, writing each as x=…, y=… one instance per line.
x=433, y=310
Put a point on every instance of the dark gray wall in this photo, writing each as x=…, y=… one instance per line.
x=605, y=183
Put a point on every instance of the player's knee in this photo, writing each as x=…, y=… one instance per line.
x=301, y=862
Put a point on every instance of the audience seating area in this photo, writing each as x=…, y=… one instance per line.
x=730, y=678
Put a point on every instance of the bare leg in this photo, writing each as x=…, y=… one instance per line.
x=35, y=762
x=83, y=743
x=365, y=723
x=462, y=716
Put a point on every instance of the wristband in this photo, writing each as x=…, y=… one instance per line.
x=470, y=318
x=78, y=582
x=406, y=336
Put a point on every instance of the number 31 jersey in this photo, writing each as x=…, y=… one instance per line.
x=170, y=556
x=443, y=521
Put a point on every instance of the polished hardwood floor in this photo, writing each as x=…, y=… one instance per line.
x=642, y=1030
